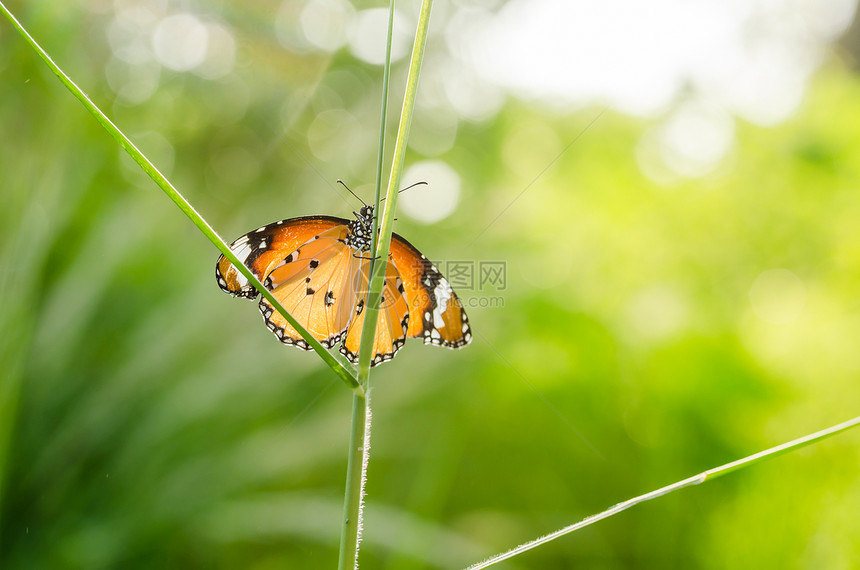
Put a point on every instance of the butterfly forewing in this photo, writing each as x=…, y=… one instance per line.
x=316, y=284
x=265, y=247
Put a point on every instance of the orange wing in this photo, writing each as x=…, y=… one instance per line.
x=435, y=312
x=267, y=246
x=308, y=266
x=316, y=283
x=393, y=319
x=321, y=278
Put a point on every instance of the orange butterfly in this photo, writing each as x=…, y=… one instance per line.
x=318, y=268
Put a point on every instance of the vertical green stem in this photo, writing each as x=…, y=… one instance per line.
x=356, y=472
x=361, y=416
x=359, y=439
x=381, y=253
x=386, y=79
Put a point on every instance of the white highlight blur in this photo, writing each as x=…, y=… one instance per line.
x=691, y=142
x=220, y=53
x=777, y=296
x=637, y=57
x=180, y=41
x=750, y=59
x=656, y=312
x=144, y=37
x=324, y=23
x=368, y=33
x=438, y=200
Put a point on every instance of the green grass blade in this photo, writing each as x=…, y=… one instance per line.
x=179, y=200
x=356, y=478
x=694, y=480
x=359, y=452
x=359, y=441
x=386, y=79
x=386, y=228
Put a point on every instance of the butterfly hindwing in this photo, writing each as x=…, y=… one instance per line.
x=393, y=320
x=435, y=312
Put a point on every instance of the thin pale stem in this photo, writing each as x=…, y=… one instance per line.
x=357, y=470
x=694, y=480
x=356, y=476
x=381, y=253
x=369, y=331
x=179, y=200
x=386, y=80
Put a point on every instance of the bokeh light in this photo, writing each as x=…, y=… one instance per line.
x=369, y=31
x=434, y=130
x=220, y=53
x=656, y=312
x=179, y=42
x=777, y=296
x=133, y=83
x=638, y=57
x=693, y=141
x=129, y=33
x=435, y=201
x=332, y=133
x=325, y=23
x=144, y=36
x=750, y=60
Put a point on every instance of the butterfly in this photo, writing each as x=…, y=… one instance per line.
x=318, y=268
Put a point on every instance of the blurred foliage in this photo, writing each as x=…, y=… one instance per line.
x=147, y=420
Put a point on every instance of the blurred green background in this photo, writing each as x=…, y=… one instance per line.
x=665, y=308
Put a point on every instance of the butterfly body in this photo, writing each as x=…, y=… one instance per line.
x=318, y=267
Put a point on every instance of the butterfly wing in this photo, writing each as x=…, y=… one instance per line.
x=435, y=312
x=322, y=281
x=262, y=249
x=317, y=284
x=393, y=320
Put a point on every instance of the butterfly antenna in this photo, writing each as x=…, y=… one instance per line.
x=341, y=182
x=407, y=188
x=412, y=186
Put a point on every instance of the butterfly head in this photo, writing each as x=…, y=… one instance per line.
x=365, y=215
x=361, y=228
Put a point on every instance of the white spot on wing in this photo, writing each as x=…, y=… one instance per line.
x=242, y=248
x=443, y=293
